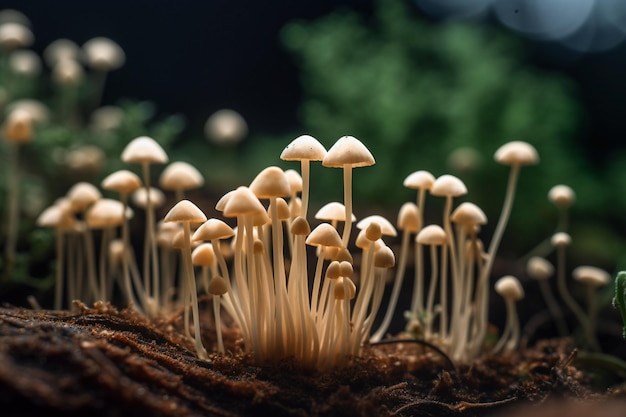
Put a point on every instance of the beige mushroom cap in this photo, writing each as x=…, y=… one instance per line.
x=333, y=211
x=419, y=180
x=517, y=153
x=242, y=201
x=384, y=258
x=203, y=255
x=140, y=198
x=561, y=239
x=591, y=275
x=348, y=151
x=180, y=175
x=340, y=288
x=106, y=212
x=104, y=54
x=213, y=229
x=304, y=147
x=144, y=149
x=509, y=288
x=185, y=211
x=83, y=194
x=539, y=268
x=561, y=195
x=300, y=226
x=56, y=216
x=448, y=186
x=295, y=180
x=409, y=218
x=324, y=235
x=468, y=213
x=122, y=181
x=61, y=50
x=15, y=35
x=18, y=127
x=270, y=182
x=432, y=235
x=385, y=225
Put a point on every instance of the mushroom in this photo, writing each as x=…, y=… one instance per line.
x=516, y=154
x=17, y=130
x=592, y=278
x=421, y=181
x=218, y=287
x=540, y=269
x=124, y=182
x=304, y=148
x=409, y=223
x=347, y=153
x=146, y=151
x=433, y=236
x=102, y=55
x=511, y=290
x=186, y=212
x=563, y=197
x=179, y=177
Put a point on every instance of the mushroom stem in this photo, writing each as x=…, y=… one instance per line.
x=347, y=197
x=13, y=211
x=305, y=174
x=58, y=290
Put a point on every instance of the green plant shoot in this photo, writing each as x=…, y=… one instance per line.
x=620, y=295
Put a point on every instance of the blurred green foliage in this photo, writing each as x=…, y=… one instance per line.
x=443, y=97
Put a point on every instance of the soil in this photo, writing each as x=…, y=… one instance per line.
x=101, y=361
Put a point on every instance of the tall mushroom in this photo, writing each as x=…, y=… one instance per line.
x=304, y=148
x=347, y=153
x=146, y=151
x=186, y=212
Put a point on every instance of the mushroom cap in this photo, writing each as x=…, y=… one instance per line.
x=221, y=203
x=180, y=175
x=56, y=216
x=432, y=234
x=348, y=150
x=18, y=127
x=226, y=127
x=409, y=218
x=384, y=258
x=340, y=288
x=561, y=239
x=561, y=195
x=106, y=212
x=15, y=35
x=25, y=62
x=270, y=182
x=282, y=209
x=103, y=54
x=61, y=50
x=591, y=275
x=324, y=235
x=218, y=285
x=122, y=181
x=517, y=153
x=300, y=226
x=469, y=214
x=140, y=197
x=213, y=229
x=333, y=271
x=539, y=268
x=243, y=202
x=304, y=147
x=333, y=211
x=144, y=149
x=448, y=186
x=294, y=179
x=385, y=225
x=509, y=288
x=419, y=180
x=67, y=72
x=185, y=211
x=203, y=255
x=83, y=194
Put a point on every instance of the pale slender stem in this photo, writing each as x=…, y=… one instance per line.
x=58, y=290
x=218, y=324
x=305, y=168
x=347, y=197
x=191, y=284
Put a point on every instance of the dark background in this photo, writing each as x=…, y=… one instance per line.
x=195, y=57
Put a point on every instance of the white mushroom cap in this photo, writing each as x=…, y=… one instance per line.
x=25, y=62
x=139, y=197
x=180, y=175
x=270, y=182
x=432, y=235
x=304, y=147
x=385, y=225
x=213, y=229
x=243, y=202
x=448, y=186
x=333, y=211
x=203, y=255
x=539, y=268
x=103, y=54
x=185, y=211
x=561, y=195
x=144, y=149
x=348, y=150
x=561, y=239
x=122, y=181
x=14, y=16
x=295, y=180
x=468, y=214
x=591, y=275
x=409, y=218
x=419, y=180
x=83, y=194
x=324, y=235
x=67, y=72
x=226, y=127
x=60, y=50
x=517, y=153
x=509, y=288
x=15, y=35
x=106, y=212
